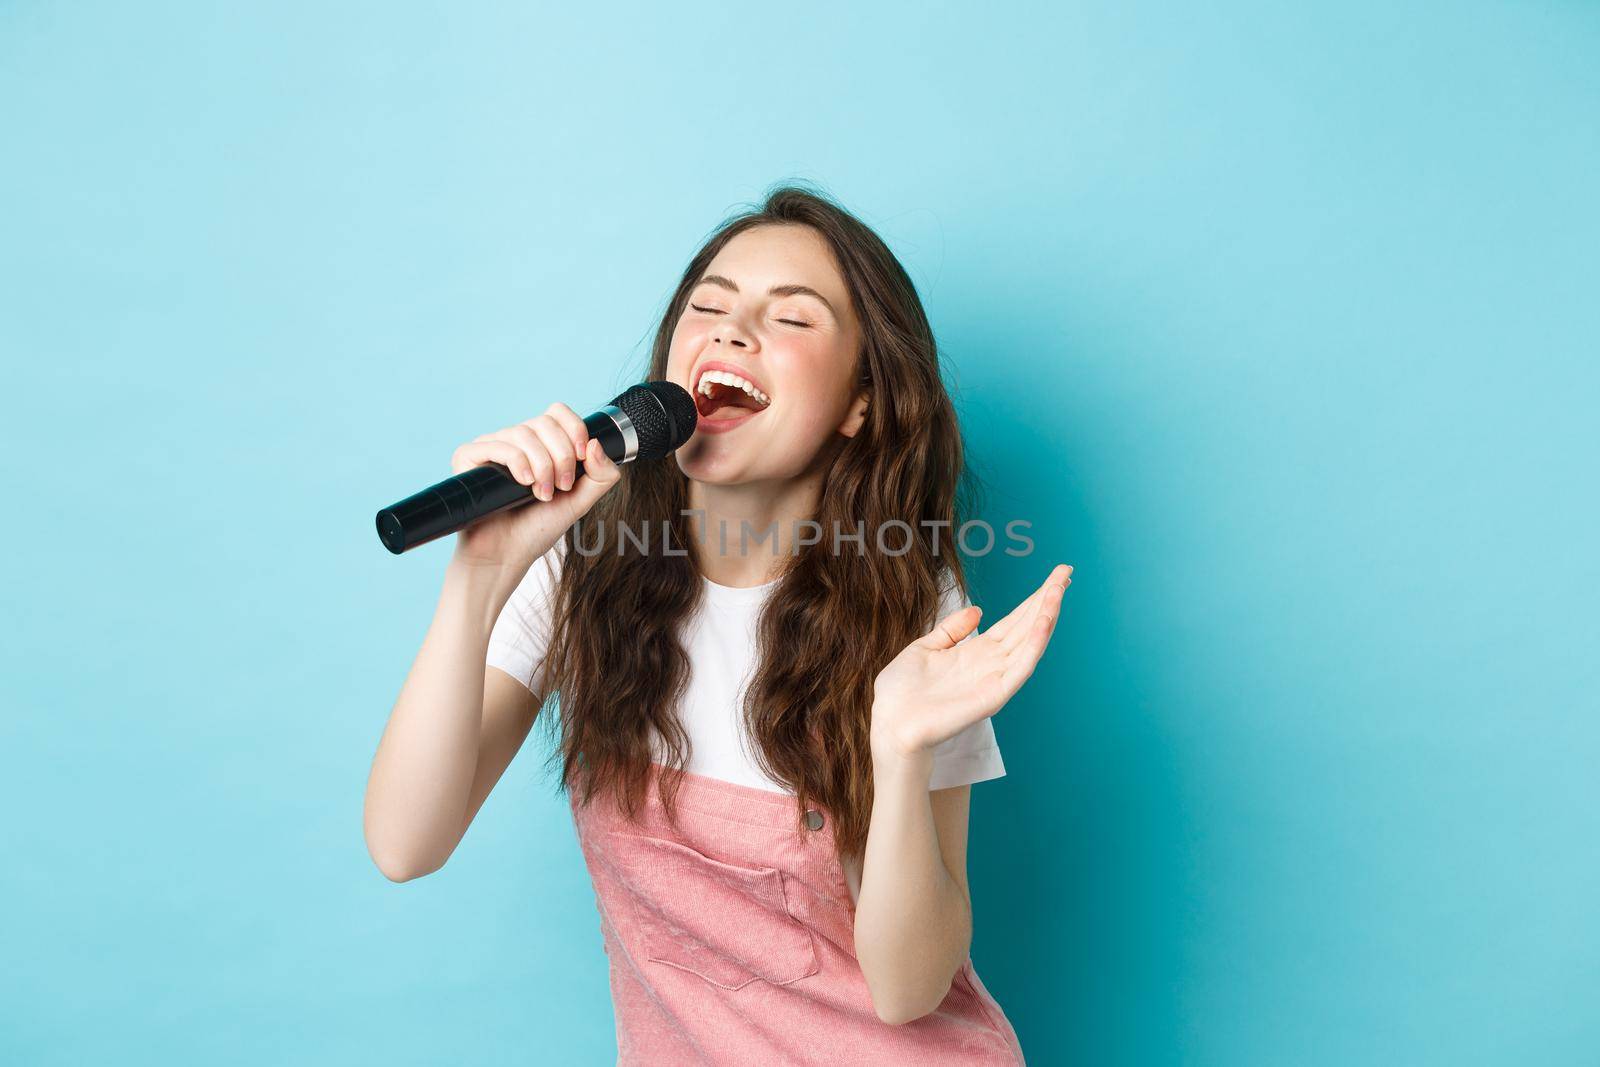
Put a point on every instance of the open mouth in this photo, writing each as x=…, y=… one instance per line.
x=723, y=396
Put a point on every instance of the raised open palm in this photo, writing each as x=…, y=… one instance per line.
x=940, y=683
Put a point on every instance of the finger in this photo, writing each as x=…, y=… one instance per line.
x=486, y=450
x=539, y=459
x=1024, y=613
x=599, y=475
x=1018, y=615
x=952, y=628
x=1025, y=658
x=558, y=442
x=1048, y=603
x=577, y=432
x=600, y=466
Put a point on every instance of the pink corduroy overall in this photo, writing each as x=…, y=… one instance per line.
x=730, y=940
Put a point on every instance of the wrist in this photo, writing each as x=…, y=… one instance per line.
x=892, y=758
x=901, y=776
x=476, y=592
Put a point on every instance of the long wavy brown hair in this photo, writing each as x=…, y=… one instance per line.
x=616, y=664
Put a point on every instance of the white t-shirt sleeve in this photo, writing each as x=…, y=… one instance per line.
x=973, y=755
x=521, y=634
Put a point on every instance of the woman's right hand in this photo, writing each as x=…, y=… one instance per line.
x=540, y=453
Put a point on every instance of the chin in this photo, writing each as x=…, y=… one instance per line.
x=702, y=461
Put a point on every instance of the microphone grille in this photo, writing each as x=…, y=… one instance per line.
x=663, y=415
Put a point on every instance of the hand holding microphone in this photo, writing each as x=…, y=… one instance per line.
x=530, y=462
x=542, y=454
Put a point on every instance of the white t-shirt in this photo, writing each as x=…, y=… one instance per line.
x=720, y=641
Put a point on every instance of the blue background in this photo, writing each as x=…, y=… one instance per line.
x=1279, y=321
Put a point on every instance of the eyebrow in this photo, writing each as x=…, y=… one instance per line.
x=776, y=290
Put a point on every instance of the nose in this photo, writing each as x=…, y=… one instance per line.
x=730, y=332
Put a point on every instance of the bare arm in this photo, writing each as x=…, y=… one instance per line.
x=458, y=722
x=454, y=729
x=914, y=918
x=913, y=926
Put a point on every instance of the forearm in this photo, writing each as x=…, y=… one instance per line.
x=421, y=778
x=913, y=925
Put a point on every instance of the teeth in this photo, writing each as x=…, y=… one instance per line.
x=722, y=377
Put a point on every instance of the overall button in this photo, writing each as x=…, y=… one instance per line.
x=813, y=819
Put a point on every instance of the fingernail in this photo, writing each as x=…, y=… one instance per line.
x=566, y=482
x=544, y=491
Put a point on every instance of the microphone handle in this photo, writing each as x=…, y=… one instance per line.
x=475, y=494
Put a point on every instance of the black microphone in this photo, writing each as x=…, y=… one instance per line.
x=645, y=421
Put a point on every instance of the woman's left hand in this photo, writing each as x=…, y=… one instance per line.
x=940, y=684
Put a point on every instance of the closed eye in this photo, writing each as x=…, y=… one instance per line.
x=719, y=311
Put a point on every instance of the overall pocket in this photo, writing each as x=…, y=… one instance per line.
x=725, y=923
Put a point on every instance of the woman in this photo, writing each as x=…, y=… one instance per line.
x=769, y=696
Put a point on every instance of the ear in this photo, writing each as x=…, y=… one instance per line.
x=856, y=415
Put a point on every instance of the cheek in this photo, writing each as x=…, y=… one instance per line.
x=813, y=411
x=680, y=351
x=806, y=430
x=818, y=376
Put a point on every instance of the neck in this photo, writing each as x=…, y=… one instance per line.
x=761, y=521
